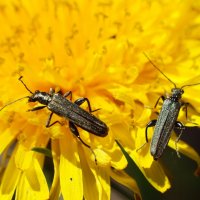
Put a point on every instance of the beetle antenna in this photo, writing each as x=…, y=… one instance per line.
x=159, y=70
x=190, y=85
x=20, y=79
x=13, y=102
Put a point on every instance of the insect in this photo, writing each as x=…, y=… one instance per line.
x=167, y=119
x=60, y=105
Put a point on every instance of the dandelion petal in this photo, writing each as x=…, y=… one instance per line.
x=32, y=184
x=70, y=170
x=10, y=180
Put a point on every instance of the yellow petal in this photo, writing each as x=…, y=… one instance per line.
x=32, y=185
x=102, y=181
x=142, y=152
x=118, y=160
x=70, y=169
x=103, y=159
x=157, y=177
x=6, y=137
x=55, y=187
x=90, y=188
x=125, y=179
x=23, y=162
x=144, y=117
x=153, y=173
x=10, y=180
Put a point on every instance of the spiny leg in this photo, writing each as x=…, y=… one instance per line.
x=74, y=130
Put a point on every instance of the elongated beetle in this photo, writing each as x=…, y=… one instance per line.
x=167, y=119
x=77, y=116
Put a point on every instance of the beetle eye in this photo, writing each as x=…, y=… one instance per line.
x=29, y=99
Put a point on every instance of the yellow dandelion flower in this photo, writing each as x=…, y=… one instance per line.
x=49, y=44
x=96, y=50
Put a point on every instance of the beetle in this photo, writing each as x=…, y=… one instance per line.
x=60, y=105
x=167, y=118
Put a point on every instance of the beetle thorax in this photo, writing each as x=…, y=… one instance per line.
x=41, y=97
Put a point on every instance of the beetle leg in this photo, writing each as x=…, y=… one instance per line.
x=74, y=130
x=49, y=120
x=185, y=107
x=161, y=97
x=186, y=110
x=150, y=124
x=82, y=100
x=51, y=91
x=180, y=126
x=36, y=108
x=69, y=93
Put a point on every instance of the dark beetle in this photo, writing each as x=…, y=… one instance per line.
x=61, y=106
x=167, y=119
x=165, y=123
x=58, y=104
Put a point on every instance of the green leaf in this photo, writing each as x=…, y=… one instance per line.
x=45, y=151
x=146, y=189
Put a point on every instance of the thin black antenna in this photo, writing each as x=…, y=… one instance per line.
x=20, y=79
x=160, y=70
x=13, y=102
x=190, y=85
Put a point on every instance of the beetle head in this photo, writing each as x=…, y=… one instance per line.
x=177, y=93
